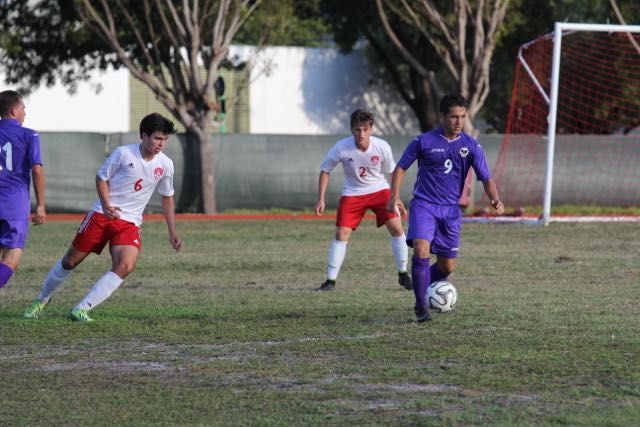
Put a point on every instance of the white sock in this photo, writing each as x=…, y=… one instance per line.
x=400, y=252
x=337, y=252
x=56, y=276
x=100, y=291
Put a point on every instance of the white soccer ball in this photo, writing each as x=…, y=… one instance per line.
x=442, y=296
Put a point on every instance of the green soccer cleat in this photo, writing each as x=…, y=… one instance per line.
x=79, y=315
x=35, y=309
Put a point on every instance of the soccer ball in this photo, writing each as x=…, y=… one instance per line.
x=442, y=296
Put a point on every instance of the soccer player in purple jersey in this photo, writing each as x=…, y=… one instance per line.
x=444, y=157
x=19, y=161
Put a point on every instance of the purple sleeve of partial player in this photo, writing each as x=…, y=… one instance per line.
x=19, y=151
x=480, y=164
x=410, y=154
x=35, y=158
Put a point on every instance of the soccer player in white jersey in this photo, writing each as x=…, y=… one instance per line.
x=365, y=160
x=125, y=183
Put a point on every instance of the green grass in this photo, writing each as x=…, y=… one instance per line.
x=229, y=332
x=579, y=210
x=528, y=210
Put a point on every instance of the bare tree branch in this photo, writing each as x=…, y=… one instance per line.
x=465, y=46
x=479, y=30
x=460, y=46
x=155, y=65
x=616, y=10
x=396, y=41
x=395, y=76
x=175, y=48
x=437, y=45
x=436, y=19
x=108, y=32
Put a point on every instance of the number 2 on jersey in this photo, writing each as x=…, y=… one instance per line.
x=8, y=158
x=138, y=185
x=363, y=171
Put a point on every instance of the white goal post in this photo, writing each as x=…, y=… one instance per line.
x=561, y=27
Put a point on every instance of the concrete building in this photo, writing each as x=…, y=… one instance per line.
x=291, y=90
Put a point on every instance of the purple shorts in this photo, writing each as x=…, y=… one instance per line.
x=13, y=233
x=440, y=225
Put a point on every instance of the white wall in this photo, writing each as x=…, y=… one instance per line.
x=293, y=90
x=54, y=109
x=313, y=91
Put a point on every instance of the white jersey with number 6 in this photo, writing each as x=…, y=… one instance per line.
x=132, y=181
x=364, y=171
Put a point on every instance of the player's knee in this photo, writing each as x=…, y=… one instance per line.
x=343, y=234
x=123, y=269
x=69, y=263
x=395, y=227
x=421, y=248
x=447, y=267
x=421, y=252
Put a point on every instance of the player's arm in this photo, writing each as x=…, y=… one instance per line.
x=410, y=155
x=395, y=204
x=491, y=190
x=168, y=209
x=102, y=187
x=323, y=184
x=37, y=175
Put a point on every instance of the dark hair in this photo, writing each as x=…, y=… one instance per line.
x=361, y=116
x=8, y=100
x=454, y=100
x=155, y=122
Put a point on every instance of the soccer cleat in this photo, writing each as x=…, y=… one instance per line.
x=79, y=315
x=35, y=309
x=404, y=280
x=328, y=285
x=422, y=314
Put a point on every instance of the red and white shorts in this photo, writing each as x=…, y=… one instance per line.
x=97, y=230
x=352, y=209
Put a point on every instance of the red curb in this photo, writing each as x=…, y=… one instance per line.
x=204, y=217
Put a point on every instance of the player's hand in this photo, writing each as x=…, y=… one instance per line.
x=111, y=212
x=319, y=207
x=397, y=207
x=40, y=216
x=498, y=206
x=175, y=242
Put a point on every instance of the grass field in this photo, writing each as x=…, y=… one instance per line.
x=229, y=332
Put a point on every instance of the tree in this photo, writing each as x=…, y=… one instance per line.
x=40, y=40
x=285, y=23
x=351, y=21
x=426, y=48
x=167, y=49
x=463, y=36
x=174, y=48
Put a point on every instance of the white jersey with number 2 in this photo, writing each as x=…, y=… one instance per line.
x=364, y=171
x=132, y=181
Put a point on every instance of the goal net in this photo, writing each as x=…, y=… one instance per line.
x=573, y=130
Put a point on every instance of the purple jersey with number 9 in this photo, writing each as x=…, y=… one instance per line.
x=443, y=165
